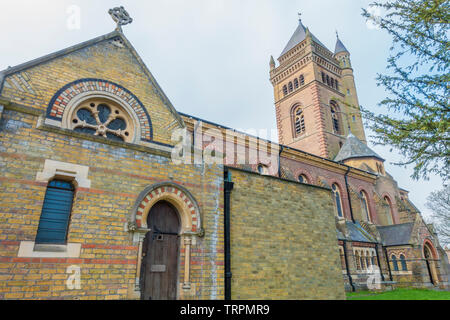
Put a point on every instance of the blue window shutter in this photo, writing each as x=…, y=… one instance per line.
x=55, y=213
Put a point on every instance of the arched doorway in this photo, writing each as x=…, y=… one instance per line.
x=430, y=261
x=160, y=253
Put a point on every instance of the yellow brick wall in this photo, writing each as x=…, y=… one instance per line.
x=108, y=257
x=283, y=240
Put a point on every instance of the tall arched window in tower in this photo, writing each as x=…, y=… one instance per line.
x=335, y=117
x=337, y=199
x=290, y=87
x=364, y=206
x=302, y=80
x=389, y=212
x=296, y=83
x=299, y=121
x=285, y=90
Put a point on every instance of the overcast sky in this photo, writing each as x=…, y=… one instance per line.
x=211, y=57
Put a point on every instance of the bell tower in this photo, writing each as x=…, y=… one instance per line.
x=315, y=95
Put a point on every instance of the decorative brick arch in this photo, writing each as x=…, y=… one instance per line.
x=370, y=204
x=178, y=196
x=393, y=205
x=72, y=91
x=304, y=172
x=427, y=243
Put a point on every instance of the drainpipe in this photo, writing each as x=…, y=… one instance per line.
x=350, y=280
x=378, y=260
x=228, y=186
x=388, y=264
x=348, y=194
x=279, y=161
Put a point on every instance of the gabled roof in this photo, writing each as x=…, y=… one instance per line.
x=355, y=148
x=340, y=47
x=397, y=234
x=111, y=35
x=298, y=36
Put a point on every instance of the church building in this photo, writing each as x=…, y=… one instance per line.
x=108, y=191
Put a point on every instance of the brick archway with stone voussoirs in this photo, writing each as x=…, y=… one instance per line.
x=190, y=225
x=73, y=93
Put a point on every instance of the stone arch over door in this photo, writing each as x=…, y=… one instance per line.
x=160, y=253
x=430, y=255
x=190, y=224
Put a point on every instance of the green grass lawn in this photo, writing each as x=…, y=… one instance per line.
x=400, y=294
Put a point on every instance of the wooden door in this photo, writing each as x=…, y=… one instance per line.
x=160, y=253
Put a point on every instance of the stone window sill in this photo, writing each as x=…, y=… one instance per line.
x=29, y=249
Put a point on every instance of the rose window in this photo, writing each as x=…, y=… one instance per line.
x=102, y=118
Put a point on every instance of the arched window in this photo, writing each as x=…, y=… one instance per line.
x=403, y=262
x=336, y=83
x=374, y=261
x=262, y=169
x=364, y=206
x=55, y=215
x=337, y=199
x=302, y=80
x=358, y=261
x=388, y=208
x=332, y=82
x=285, y=90
x=295, y=83
x=101, y=117
x=367, y=260
x=324, y=79
x=290, y=87
x=299, y=122
x=363, y=266
x=302, y=178
x=335, y=117
x=394, y=262
x=328, y=80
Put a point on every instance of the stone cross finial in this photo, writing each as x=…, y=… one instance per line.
x=120, y=16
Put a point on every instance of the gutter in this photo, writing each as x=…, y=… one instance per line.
x=378, y=260
x=350, y=280
x=388, y=264
x=279, y=160
x=228, y=186
x=348, y=194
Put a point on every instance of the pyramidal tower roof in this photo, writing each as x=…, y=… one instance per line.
x=298, y=36
x=339, y=45
x=355, y=148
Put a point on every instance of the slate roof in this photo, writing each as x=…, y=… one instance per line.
x=298, y=36
x=357, y=233
x=355, y=148
x=340, y=47
x=397, y=234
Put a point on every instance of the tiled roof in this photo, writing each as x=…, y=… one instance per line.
x=397, y=234
x=298, y=36
x=355, y=148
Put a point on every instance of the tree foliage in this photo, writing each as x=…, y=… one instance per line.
x=417, y=117
x=439, y=203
